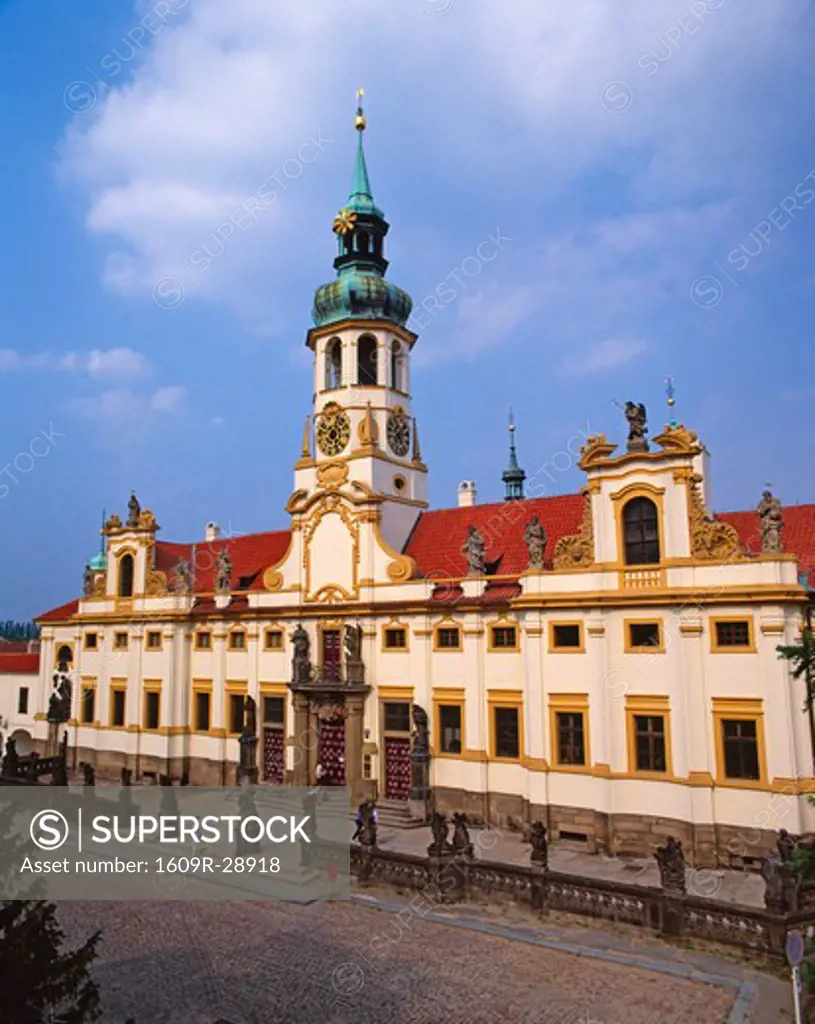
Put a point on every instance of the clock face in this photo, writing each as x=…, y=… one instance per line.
x=399, y=435
x=333, y=432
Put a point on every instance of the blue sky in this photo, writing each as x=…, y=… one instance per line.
x=649, y=167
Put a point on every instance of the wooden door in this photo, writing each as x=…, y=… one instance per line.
x=332, y=753
x=331, y=654
x=397, y=768
x=273, y=757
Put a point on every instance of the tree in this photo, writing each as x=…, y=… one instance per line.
x=801, y=657
x=40, y=982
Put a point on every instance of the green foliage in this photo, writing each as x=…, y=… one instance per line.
x=801, y=657
x=11, y=630
x=39, y=981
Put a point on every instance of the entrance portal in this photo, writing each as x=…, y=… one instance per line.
x=397, y=768
x=273, y=757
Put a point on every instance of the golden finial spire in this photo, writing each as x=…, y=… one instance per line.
x=359, y=121
x=306, y=450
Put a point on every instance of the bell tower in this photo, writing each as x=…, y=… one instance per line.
x=361, y=420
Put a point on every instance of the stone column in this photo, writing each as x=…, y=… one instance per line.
x=313, y=746
x=353, y=748
x=300, y=775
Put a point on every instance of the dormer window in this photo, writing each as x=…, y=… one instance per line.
x=126, y=576
x=641, y=532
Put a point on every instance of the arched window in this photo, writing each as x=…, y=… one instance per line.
x=641, y=532
x=397, y=367
x=366, y=360
x=126, y=576
x=333, y=364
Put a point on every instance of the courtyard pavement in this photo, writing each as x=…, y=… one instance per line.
x=337, y=963
x=741, y=887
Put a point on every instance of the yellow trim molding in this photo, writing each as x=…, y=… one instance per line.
x=555, y=648
x=739, y=709
x=629, y=648
x=568, y=704
x=651, y=706
x=717, y=648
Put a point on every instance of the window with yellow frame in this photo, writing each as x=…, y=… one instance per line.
x=648, y=729
x=203, y=640
x=566, y=637
x=644, y=636
x=118, y=703
x=237, y=640
x=87, y=701
x=151, y=707
x=503, y=636
x=448, y=713
x=394, y=636
x=569, y=731
x=506, y=725
x=447, y=636
x=732, y=634
x=235, y=707
x=738, y=730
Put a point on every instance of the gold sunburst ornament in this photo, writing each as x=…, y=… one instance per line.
x=344, y=222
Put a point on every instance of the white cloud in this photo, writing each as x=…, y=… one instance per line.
x=229, y=94
x=121, y=407
x=98, y=363
x=605, y=355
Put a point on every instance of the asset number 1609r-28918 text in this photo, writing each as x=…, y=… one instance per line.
x=223, y=865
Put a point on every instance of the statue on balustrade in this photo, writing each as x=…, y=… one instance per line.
x=771, y=519
x=535, y=540
x=636, y=416
x=670, y=859
x=540, y=845
x=474, y=551
x=439, y=829
x=461, y=836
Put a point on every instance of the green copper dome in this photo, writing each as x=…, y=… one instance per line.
x=99, y=562
x=358, y=294
x=360, y=290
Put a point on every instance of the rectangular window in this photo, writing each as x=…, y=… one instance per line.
x=448, y=638
x=236, y=712
x=740, y=743
x=120, y=641
x=237, y=641
x=22, y=701
x=274, y=709
x=154, y=640
x=91, y=641
x=117, y=708
x=152, y=709
x=395, y=638
x=649, y=743
x=203, y=641
x=506, y=723
x=733, y=633
x=203, y=704
x=397, y=717
x=504, y=637
x=571, y=742
x=644, y=635
x=87, y=704
x=566, y=636
x=450, y=728
x=274, y=640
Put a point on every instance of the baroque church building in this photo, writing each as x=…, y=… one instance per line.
x=604, y=662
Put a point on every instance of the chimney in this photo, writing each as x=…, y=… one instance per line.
x=466, y=494
x=213, y=532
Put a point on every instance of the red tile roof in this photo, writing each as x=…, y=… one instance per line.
x=251, y=555
x=65, y=611
x=798, y=535
x=435, y=545
x=436, y=541
x=13, y=646
x=24, y=664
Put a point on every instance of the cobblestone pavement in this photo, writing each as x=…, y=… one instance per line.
x=275, y=963
x=743, y=887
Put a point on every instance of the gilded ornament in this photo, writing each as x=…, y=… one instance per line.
x=577, y=552
x=332, y=475
x=596, y=449
x=113, y=525
x=344, y=222
x=273, y=580
x=147, y=521
x=678, y=439
x=711, y=539
x=156, y=584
